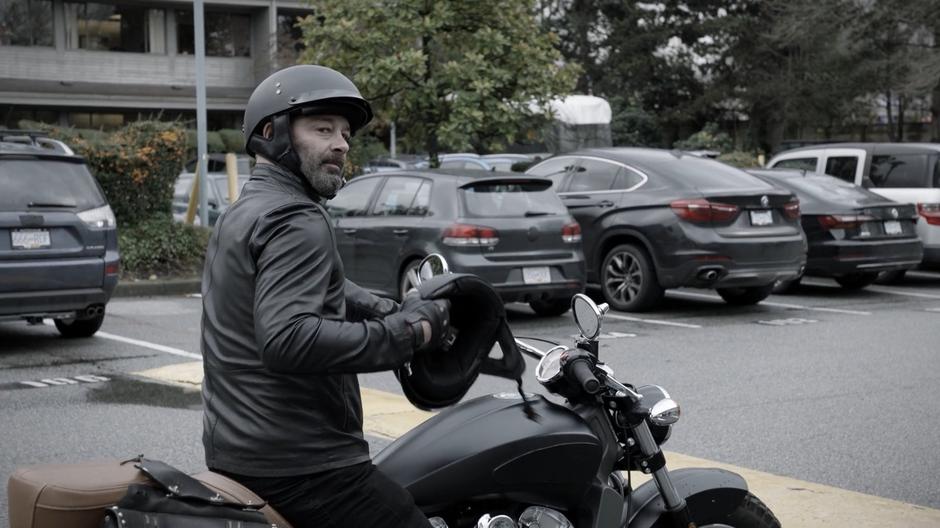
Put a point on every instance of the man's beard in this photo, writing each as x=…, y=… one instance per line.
x=325, y=182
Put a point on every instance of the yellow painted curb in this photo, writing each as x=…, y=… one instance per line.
x=384, y=414
x=796, y=503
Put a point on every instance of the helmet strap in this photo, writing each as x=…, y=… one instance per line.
x=279, y=148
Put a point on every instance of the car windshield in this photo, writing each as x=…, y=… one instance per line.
x=47, y=183
x=512, y=199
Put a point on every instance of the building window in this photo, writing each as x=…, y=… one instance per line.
x=227, y=34
x=106, y=27
x=95, y=120
x=26, y=23
x=290, y=43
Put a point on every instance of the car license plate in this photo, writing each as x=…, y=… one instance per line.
x=761, y=218
x=893, y=227
x=539, y=275
x=30, y=239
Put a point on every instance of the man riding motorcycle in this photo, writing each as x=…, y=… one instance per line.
x=284, y=333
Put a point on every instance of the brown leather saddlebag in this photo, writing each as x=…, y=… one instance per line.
x=68, y=495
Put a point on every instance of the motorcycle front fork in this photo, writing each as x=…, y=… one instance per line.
x=655, y=464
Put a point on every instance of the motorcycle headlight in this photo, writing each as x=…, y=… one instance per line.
x=549, y=369
x=665, y=412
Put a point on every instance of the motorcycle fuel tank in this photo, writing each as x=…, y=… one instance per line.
x=488, y=447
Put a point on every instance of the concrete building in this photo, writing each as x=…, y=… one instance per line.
x=100, y=65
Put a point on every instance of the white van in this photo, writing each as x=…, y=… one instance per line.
x=903, y=172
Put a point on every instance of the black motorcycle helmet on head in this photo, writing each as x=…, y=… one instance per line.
x=304, y=89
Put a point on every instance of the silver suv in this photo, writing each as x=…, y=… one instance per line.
x=58, y=238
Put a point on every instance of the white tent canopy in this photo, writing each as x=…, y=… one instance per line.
x=581, y=110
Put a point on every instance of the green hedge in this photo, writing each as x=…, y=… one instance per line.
x=136, y=165
x=159, y=245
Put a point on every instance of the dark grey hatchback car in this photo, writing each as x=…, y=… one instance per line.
x=58, y=240
x=654, y=219
x=509, y=229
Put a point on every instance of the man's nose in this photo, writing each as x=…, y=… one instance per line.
x=340, y=144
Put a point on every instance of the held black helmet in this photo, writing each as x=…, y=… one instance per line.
x=438, y=378
x=303, y=89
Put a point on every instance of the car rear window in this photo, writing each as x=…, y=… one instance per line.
x=49, y=183
x=905, y=170
x=704, y=173
x=511, y=199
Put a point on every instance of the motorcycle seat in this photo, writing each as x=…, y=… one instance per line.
x=232, y=490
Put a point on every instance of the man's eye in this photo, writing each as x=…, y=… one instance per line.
x=325, y=130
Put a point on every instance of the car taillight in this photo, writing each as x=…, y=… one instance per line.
x=843, y=221
x=791, y=210
x=571, y=233
x=112, y=268
x=99, y=217
x=930, y=212
x=701, y=211
x=470, y=235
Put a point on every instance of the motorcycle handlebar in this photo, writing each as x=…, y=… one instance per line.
x=584, y=375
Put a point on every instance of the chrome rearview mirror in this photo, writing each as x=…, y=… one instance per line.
x=430, y=266
x=588, y=315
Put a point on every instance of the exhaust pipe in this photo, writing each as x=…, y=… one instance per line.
x=708, y=274
x=94, y=311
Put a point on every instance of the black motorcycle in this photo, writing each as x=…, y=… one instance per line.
x=505, y=460
x=509, y=459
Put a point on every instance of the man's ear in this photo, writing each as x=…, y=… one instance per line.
x=268, y=130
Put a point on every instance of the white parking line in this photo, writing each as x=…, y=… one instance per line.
x=907, y=293
x=651, y=321
x=775, y=304
x=145, y=344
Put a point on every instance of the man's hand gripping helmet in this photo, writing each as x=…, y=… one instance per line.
x=304, y=89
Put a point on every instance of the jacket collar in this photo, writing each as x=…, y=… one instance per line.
x=288, y=180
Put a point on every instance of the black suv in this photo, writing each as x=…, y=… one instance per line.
x=58, y=240
x=655, y=219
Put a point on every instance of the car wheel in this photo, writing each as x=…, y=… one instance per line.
x=856, y=281
x=891, y=277
x=786, y=286
x=551, y=307
x=747, y=295
x=628, y=279
x=407, y=280
x=79, y=327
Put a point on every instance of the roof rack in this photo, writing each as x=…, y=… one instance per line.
x=36, y=138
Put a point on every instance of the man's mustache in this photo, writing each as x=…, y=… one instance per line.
x=339, y=161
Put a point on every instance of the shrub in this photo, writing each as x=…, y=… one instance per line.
x=214, y=143
x=740, y=159
x=233, y=140
x=136, y=165
x=362, y=149
x=158, y=245
x=709, y=138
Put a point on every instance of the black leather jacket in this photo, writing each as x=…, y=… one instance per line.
x=283, y=334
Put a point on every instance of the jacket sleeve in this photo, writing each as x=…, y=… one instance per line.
x=362, y=305
x=294, y=256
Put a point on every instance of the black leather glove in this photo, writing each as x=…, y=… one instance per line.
x=435, y=313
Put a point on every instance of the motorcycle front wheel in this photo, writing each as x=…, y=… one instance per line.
x=751, y=513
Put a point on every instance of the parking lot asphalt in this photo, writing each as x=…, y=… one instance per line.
x=824, y=400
